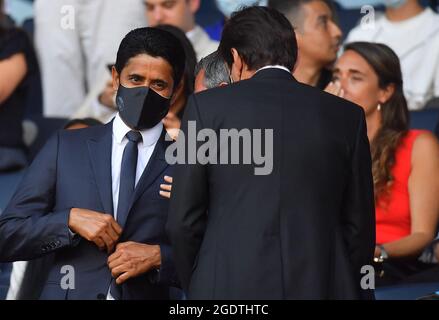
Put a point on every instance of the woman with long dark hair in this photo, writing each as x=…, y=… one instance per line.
x=405, y=163
x=17, y=63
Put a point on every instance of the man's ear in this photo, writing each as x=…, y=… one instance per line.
x=194, y=5
x=237, y=66
x=116, y=77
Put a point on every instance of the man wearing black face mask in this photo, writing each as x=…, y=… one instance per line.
x=92, y=195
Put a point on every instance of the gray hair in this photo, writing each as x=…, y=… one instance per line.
x=215, y=70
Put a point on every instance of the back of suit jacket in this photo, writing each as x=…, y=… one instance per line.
x=301, y=232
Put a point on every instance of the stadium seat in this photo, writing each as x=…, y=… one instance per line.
x=426, y=119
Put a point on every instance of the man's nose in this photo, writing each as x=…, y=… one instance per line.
x=158, y=16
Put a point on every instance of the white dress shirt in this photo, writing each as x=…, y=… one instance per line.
x=146, y=147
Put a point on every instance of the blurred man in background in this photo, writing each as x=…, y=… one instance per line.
x=75, y=40
x=181, y=14
x=318, y=38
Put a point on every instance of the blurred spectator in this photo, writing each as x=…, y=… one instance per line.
x=100, y=102
x=405, y=163
x=413, y=33
x=211, y=72
x=318, y=38
x=17, y=65
x=226, y=7
x=75, y=40
x=181, y=14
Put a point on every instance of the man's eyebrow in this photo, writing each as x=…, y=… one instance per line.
x=323, y=17
x=136, y=75
x=354, y=71
x=158, y=80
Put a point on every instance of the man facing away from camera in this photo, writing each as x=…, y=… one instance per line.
x=302, y=230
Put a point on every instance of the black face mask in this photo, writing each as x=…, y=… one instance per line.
x=141, y=107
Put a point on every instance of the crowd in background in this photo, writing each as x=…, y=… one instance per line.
x=391, y=70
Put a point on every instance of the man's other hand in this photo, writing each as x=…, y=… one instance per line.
x=132, y=259
x=96, y=227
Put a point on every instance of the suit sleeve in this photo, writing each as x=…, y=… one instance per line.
x=358, y=216
x=188, y=208
x=166, y=275
x=28, y=227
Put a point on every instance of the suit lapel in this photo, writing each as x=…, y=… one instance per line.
x=155, y=167
x=100, y=150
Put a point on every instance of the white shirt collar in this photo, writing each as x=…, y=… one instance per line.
x=274, y=67
x=149, y=136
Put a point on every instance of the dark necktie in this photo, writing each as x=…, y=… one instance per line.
x=126, y=190
x=127, y=176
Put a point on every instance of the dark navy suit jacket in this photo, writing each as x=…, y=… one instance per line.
x=73, y=170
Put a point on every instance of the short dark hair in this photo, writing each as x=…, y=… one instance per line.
x=262, y=36
x=155, y=43
x=215, y=70
x=292, y=9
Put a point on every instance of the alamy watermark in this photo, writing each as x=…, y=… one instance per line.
x=368, y=20
x=227, y=147
x=68, y=278
x=67, y=21
x=368, y=280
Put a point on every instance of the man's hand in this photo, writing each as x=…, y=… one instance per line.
x=96, y=227
x=132, y=259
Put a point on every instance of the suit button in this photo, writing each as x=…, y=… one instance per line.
x=101, y=296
